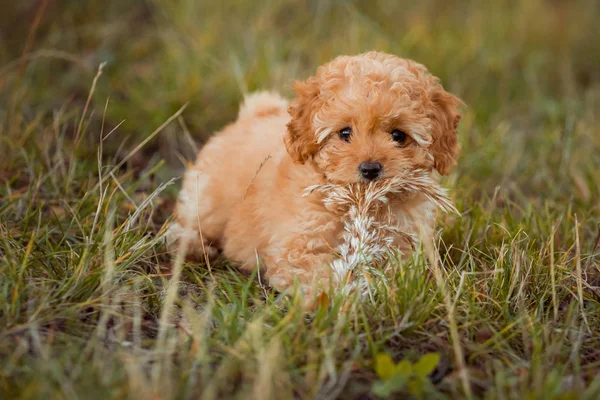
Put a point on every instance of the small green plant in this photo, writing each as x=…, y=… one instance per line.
x=404, y=376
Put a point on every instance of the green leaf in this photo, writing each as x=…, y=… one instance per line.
x=404, y=368
x=426, y=364
x=381, y=389
x=388, y=387
x=416, y=388
x=384, y=366
x=397, y=382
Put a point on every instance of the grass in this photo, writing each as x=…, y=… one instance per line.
x=92, y=307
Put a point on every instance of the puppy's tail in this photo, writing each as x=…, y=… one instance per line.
x=263, y=104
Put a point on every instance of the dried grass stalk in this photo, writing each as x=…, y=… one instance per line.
x=369, y=231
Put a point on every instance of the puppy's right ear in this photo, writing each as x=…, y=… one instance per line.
x=301, y=141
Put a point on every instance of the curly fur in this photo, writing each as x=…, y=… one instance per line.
x=244, y=195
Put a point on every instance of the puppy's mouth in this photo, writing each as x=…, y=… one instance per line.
x=366, y=181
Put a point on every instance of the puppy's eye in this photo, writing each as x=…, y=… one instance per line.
x=345, y=134
x=399, y=136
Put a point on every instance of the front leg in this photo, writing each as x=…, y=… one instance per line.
x=304, y=260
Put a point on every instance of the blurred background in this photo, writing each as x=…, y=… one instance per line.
x=86, y=159
x=528, y=71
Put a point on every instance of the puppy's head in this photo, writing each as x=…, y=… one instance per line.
x=373, y=116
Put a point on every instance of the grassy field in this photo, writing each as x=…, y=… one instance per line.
x=91, y=306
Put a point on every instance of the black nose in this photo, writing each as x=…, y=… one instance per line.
x=370, y=170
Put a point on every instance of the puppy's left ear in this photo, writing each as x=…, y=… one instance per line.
x=445, y=114
x=300, y=140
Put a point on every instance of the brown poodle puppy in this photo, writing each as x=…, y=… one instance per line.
x=360, y=118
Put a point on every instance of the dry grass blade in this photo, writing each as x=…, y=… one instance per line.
x=370, y=232
x=341, y=197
